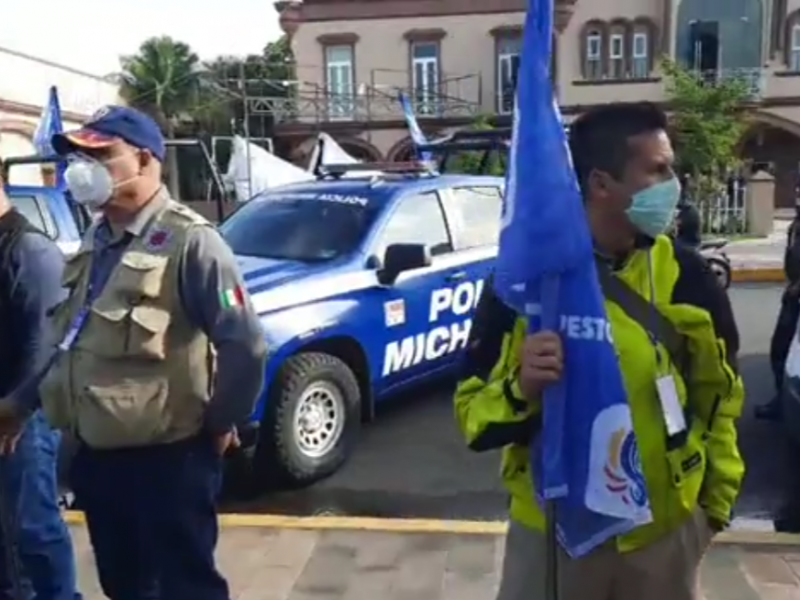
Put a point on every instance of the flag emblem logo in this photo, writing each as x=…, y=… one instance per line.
x=616, y=485
x=623, y=474
x=233, y=297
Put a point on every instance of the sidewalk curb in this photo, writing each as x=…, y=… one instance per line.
x=768, y=275
x=739, y=538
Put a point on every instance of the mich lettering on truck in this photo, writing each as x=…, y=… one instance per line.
x=458, y=301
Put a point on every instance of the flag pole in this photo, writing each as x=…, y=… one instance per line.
x=550, y=322
x=552, y=591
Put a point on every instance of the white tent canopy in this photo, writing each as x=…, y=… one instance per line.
x=252, y=170
x=328, y=152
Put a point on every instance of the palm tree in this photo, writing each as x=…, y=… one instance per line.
x=164, y=80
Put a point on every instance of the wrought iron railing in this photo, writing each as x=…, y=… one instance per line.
x=753, y=79
x=370, y=104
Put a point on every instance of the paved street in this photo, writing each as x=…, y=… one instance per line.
x=273, y=564
x=412, y=463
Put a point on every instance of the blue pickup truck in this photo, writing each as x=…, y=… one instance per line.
x=365, y=280
x=365, y=285
x=48, y=208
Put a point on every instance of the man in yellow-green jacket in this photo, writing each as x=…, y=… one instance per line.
x=661, y=300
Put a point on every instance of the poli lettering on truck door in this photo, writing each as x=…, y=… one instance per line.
x=407, y=344
x=428, y=311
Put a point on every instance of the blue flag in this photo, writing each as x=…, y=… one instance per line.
x=415, y=131
x=586, y=459
x=50, y=124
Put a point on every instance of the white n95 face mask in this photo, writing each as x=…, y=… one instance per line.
x=89, y=182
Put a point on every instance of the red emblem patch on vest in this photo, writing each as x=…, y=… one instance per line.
x=158, y=239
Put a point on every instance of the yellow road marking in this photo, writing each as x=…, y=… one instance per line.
x=758, y=276
x=434, y=526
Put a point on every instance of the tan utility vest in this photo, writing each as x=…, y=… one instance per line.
x=139, y=372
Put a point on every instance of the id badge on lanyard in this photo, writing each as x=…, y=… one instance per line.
x=666, y=388
x=77, y=324
x=74, y=329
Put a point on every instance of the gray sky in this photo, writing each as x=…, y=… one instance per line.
x=92, y=34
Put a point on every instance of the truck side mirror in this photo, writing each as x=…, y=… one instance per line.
x=403, y=257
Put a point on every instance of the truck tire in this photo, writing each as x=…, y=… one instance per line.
x=311, y=423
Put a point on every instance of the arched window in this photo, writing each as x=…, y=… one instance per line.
x=594, y=50
x=794, y=48
x=618, y=50
x=643, y=40
x=792, y=41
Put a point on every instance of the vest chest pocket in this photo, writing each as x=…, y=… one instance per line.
x=148, y=332
x=140, y=274
x=127, y=332
x=126, y=320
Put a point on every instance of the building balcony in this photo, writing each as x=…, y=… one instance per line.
x=370, y=105
x=754, y=80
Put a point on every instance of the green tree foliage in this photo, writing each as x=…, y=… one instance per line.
x=470, y=162
x=707, y=122
x=163, y=79
x=189, y=98
x=230, y=80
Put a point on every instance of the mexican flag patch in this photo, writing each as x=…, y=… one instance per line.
x=232, y=298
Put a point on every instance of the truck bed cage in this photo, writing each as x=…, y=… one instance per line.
x=216, y=178
x=337, y=171
x=33, y=159
x=488, y=142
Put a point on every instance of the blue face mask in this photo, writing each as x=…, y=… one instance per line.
x=653, y=208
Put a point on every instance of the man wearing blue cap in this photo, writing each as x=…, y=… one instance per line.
x=158, y=355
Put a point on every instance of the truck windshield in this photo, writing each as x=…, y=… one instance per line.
x=304, y=227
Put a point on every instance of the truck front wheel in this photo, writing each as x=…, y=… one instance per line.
x=312, y=420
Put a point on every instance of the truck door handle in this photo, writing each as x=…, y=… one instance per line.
x=457, y=276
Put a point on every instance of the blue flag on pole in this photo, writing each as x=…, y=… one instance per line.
x=415, y=131
x=50, y=124
x=586, y=459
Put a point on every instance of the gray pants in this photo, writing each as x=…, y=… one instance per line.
x=665, y=570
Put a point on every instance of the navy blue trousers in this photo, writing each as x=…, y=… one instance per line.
x=152, y=521
x=38, y=542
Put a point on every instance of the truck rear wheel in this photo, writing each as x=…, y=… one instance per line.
x=312, y=420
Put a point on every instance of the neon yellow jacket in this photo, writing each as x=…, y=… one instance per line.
x=706, y=468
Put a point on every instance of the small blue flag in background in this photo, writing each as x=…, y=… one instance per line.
x=415, y=131
x=586, y=460
x=50, y=124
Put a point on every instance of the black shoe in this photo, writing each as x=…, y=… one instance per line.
x=771, y=411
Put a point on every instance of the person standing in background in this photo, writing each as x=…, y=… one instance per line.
x=786, y=324
x=39, y=545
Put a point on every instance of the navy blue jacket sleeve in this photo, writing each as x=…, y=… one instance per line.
x=38, y=266
x=209, y=272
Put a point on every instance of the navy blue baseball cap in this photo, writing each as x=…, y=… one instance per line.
x=107, y=127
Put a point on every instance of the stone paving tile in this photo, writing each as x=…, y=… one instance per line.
x=265, y=564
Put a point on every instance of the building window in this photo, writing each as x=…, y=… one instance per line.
x=794, y=51
x=641, y=55
x=616, y=55
x=425, y=76
x=340, y=81
x=508, y=51
x=594, y=55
